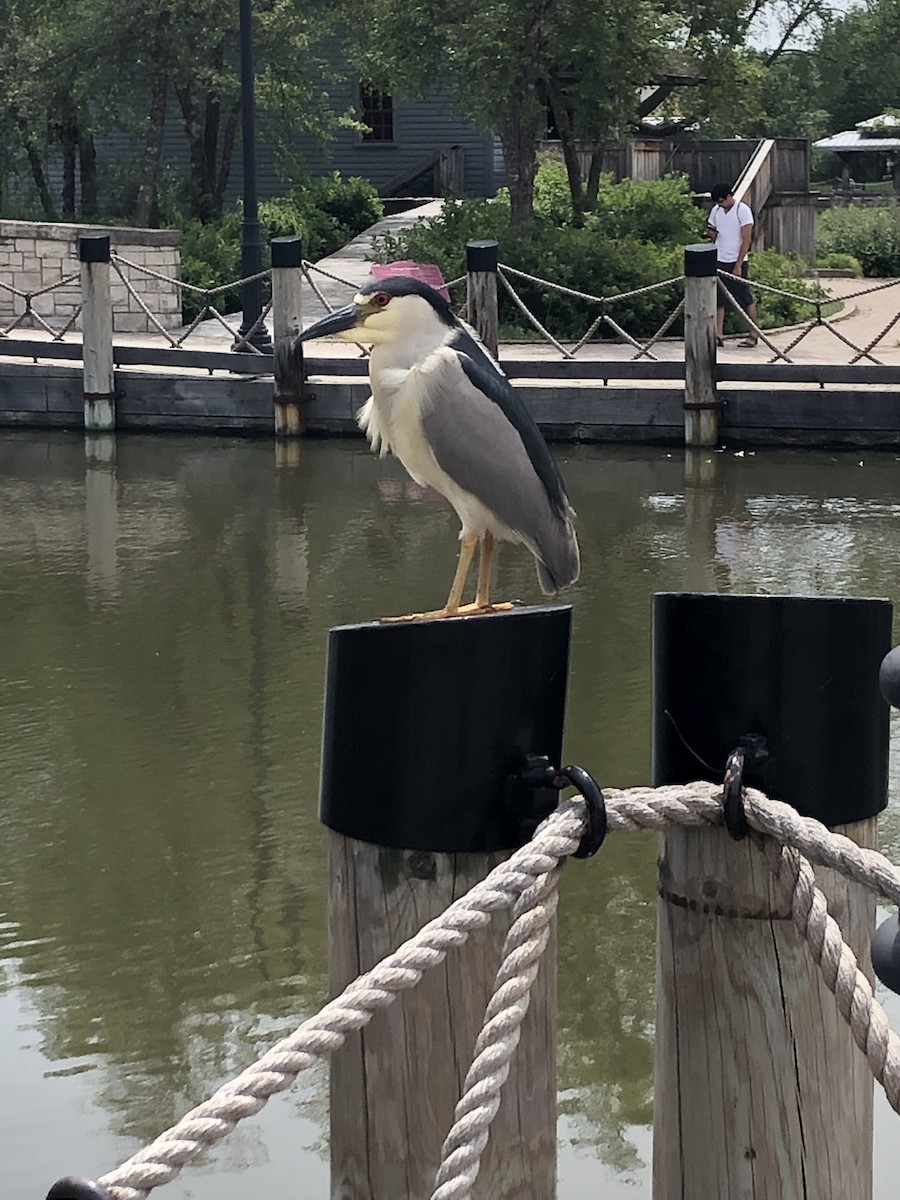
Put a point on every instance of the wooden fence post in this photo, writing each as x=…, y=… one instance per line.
x=287, y=322
x=426, y=726
x=701, y=404
x=482, y=311
x=96, y=325
x=760, y=1089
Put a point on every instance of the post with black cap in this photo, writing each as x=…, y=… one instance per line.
x=482, y=310
x=427, y=725
x=760, y=1089
x=97, y=330
x=701, y=403
x=287, y=321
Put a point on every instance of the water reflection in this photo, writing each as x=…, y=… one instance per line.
x=165, y=607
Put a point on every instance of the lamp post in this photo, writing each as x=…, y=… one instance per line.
x=251, y=240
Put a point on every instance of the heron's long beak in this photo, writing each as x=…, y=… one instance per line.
x=335, y=322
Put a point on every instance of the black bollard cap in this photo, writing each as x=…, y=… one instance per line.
x=886, y=953
x=77, y=1189
x=428, y=724
x=799, y=671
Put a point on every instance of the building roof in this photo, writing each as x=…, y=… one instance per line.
x=877, y=134
x=850, y=141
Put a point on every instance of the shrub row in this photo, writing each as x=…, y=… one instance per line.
x=870, y=235
x=636, y=237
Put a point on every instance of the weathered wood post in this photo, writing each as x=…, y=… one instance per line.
x=96, y=325
x=701, y=404
x=426, y=727
x=287, y=321
x=482, y=311
x=760, y=1090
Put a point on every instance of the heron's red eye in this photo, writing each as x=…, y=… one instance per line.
x=382, y=299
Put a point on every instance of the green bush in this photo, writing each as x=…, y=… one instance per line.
x=871, y=235
x=783, y=271
x=636, y=237
x=326, y=213
x=839, y=262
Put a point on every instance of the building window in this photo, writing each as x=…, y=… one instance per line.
x=376, y=111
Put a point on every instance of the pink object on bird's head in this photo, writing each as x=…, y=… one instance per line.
x=424, y=272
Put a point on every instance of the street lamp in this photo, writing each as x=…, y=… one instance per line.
x=251, y=240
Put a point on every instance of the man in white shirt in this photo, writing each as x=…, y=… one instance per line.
x=730, y=226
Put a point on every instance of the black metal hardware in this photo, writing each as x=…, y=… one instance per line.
x=886, y=953
x=733, y=797
x=889, y=677
x=539, y=773
x=749, y=765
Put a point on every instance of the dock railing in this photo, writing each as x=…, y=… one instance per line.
x=657, y=385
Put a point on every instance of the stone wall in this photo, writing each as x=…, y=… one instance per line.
x=34, y=255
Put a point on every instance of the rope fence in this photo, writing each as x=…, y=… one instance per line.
x=29, y=313
x=125, y=269
x=527, y=883
x=643, y=348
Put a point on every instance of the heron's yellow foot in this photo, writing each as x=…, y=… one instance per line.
x=422, y=616
x=465, y=610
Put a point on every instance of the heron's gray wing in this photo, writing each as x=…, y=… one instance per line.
x=488, y=378
x=476, y=442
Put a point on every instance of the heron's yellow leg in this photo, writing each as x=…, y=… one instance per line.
x=451, y=608
x=483, y=595
x=467, y=545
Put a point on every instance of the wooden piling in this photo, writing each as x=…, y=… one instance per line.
x=287, y=321
x=96, y=324
x=426, y=726
x=701, y=403
x=482, y=311
x=760, y=1090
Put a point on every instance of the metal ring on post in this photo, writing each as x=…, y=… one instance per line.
x=733, y=796
x=538, y=773
x=595, y=835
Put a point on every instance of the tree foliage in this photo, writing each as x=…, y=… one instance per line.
x=76, y=75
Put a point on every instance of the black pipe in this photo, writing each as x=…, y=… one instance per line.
x=251, y=236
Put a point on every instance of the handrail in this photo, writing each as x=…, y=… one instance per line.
x=752, y=170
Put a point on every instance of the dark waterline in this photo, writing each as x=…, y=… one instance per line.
x=162, y=900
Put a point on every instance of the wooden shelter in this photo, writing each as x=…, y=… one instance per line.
x=877, y=136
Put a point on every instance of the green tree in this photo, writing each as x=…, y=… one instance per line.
x=858, y=58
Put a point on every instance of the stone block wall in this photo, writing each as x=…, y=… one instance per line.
x=35, y=255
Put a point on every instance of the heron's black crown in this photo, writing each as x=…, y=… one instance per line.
x=405, y=285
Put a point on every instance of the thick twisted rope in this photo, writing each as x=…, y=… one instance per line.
x=276, y=1070
x=857, y=1003
x=528, y=880
x=522, y=951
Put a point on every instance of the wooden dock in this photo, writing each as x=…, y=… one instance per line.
x=608, y=393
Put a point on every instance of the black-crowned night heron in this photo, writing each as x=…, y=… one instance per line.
x=442, y=405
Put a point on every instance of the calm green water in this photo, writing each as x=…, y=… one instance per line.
x=162, y=632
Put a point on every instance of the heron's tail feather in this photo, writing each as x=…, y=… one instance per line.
x=561, y=568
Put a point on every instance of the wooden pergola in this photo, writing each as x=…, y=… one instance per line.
x=878, y=135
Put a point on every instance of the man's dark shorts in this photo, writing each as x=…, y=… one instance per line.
x=740, y=291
